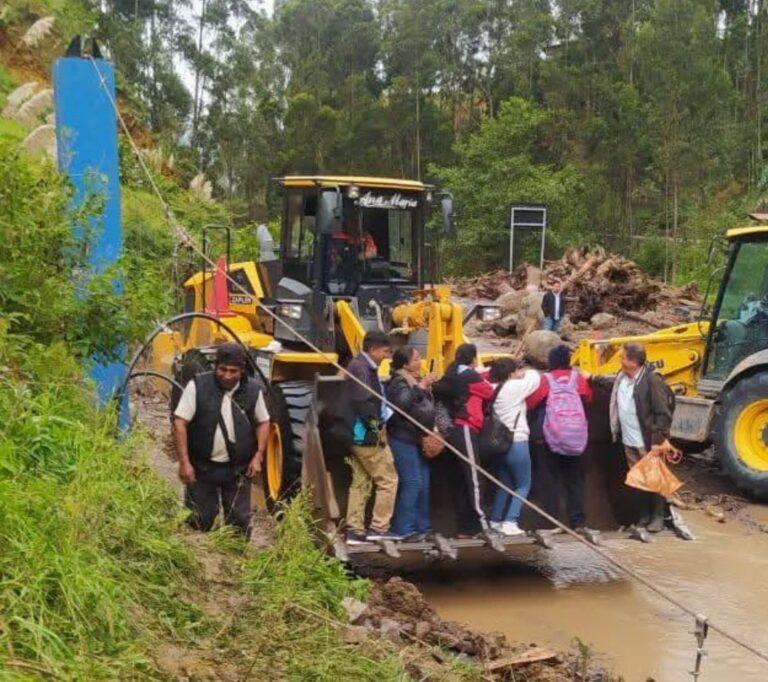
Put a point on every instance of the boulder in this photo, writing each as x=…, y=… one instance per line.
x=511, y=301
x=603, y=321
x=537, y=347
x=530, y=316
x=567, y=328
x=506, y=326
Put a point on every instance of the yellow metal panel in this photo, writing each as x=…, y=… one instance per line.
x=350, y=326
x=737, y=232
x=361, y=181
x=676, y=353
x=306, y=358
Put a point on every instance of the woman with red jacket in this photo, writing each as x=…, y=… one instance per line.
x=462, y=391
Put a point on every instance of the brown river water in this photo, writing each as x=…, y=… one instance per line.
x=550, y=597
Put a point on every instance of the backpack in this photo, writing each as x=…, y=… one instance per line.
x=565, y=423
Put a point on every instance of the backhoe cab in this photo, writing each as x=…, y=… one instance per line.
x=717, y=368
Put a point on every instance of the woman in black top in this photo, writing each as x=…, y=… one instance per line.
x=409, y=392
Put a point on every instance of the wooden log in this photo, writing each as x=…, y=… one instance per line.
x=535, y=655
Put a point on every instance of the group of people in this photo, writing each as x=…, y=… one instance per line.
x=542, y=416
x=221, y=425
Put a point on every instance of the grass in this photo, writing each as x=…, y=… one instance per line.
x=97, y=574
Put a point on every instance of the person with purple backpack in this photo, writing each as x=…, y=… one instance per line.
x=561, y=432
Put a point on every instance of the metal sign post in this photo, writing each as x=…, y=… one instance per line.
x=527, y=217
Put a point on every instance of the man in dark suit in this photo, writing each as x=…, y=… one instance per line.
x=553, y=307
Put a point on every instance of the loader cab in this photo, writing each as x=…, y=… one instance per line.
x=341, y=235
x=739, y=325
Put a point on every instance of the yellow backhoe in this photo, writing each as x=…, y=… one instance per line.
x=718, y=368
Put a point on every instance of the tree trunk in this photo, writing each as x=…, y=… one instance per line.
x=196, y=102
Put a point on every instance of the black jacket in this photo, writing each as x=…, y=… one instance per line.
x=416, y=402
x=548, y=305
x=655, y=405
x=365, y=406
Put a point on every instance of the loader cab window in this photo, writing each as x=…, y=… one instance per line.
x=375, y=245
x=299, y=237
x=742, y=318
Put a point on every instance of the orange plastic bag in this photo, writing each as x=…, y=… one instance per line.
x=651, y=473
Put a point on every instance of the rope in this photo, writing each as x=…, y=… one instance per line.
x=330, y=360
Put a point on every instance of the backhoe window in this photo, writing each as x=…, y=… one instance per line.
x=376, y=245
x=742, y=321
x=301, y=226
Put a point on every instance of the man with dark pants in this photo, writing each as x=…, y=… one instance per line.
x=220, y=428
x=553, y=307
x=371, y=461
x=641, y=416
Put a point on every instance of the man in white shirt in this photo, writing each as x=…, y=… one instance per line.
x=553, y=307
x=641, y=416
x=221, y=426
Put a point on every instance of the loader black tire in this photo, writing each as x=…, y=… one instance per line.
x=193, y=362
x=741, y=434
x=289, y=404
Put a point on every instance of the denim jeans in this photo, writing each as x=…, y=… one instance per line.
x=411, y=515
x=551, y=325
x=515, y=473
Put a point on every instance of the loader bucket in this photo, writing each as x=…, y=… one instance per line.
x=609, y=503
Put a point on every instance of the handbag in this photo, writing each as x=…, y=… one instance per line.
x=495, y=436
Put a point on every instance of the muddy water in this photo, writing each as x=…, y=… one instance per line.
x=551, y=597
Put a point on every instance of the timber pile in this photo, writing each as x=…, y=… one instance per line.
x=593, y=282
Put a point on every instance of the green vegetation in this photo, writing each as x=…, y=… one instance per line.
x=99, y=580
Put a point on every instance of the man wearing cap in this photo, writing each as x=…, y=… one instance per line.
x=220, y=428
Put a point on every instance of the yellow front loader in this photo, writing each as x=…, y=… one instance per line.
x=354, y=257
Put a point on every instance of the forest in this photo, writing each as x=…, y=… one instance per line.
x=639, y=123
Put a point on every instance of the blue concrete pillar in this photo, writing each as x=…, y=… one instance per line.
x=86, y=134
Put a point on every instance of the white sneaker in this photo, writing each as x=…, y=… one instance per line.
x=511, y=528
x=497, y=526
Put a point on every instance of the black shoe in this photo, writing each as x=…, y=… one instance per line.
x=416, y=537
x=377, y=535
x=355, y=537
x=658, y=510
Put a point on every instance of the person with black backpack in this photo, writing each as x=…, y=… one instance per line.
x=519, y=391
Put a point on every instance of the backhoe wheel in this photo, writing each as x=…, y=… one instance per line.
x=289, y=404
x=741, y=434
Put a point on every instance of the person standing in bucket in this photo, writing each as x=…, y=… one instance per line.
x=371, y=461
x=553, y=307
x=221, y=425
x=462, y=390
x=409, y=392
x=565, y=432
x=518, y=390
x=641, y=413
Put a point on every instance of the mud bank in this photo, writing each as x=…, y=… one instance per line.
x=399, y=612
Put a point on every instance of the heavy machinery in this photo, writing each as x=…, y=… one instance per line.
x=718, y=368
x=354, y=256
